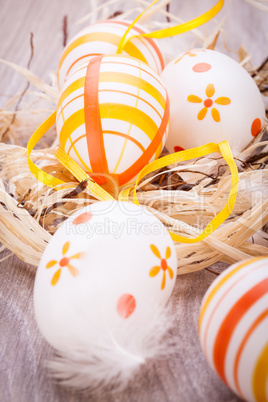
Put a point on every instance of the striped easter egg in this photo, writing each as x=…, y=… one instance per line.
x=233, y=328
x=104, y=38
x=113, y=116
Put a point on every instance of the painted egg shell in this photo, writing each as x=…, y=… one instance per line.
x=112, y=116
x=104, y=265
x=104, y=38
x=233, y=328
x=212, y=99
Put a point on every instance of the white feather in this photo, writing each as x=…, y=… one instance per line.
x=99, y=358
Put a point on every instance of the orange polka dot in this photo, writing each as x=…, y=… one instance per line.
x=164, y=264
x=256, y=127
x=208, y=103
x=201, y=67
x=178, y=149
x=64, y=261
x=83, y=218
x=126, y=305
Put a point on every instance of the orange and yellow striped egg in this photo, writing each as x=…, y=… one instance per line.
x=104, y=38
x=113, y=116
x=233, y=328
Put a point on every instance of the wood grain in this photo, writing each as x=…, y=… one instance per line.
x=184, y=376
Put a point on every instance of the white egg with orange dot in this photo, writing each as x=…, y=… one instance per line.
x=104, y=38
x=104, y=265
x=233, y=328
x=113, y=116
x=212, y=99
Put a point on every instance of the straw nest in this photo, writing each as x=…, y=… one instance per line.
x=185, y=197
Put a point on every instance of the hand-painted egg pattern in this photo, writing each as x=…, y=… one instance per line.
x=104, y=38
x=233, y=328
x=113, y=116
x=212, y=99
x=109, y=261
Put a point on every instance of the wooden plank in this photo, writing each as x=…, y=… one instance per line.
x=184, y=376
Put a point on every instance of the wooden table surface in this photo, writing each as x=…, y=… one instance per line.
x=184, y=376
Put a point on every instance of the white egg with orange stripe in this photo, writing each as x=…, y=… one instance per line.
x=233, y=328
x=104, y=38
x=112, y=117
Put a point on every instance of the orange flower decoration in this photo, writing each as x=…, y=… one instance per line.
x=64, y=262
x=210, y=91
x=163, y=265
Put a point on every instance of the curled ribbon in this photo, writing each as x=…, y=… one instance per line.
x=97, y=191
x=225, y=150
x=102, y=195
x=172, y=31
x=51, y=181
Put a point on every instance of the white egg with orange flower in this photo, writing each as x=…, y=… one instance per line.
x=212, y=99
x=106, y=264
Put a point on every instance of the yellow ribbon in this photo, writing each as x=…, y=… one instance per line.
x=51, y=181
x=225, y=150
x=40, y=175
x=81, y=175
x=172, y=31
x=98, y=192
x=103, y=195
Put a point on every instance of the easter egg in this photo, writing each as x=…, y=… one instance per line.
x=104, y=266
x=233, y=328
x=104, y=38
x=212, y=99
x=112, y=117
